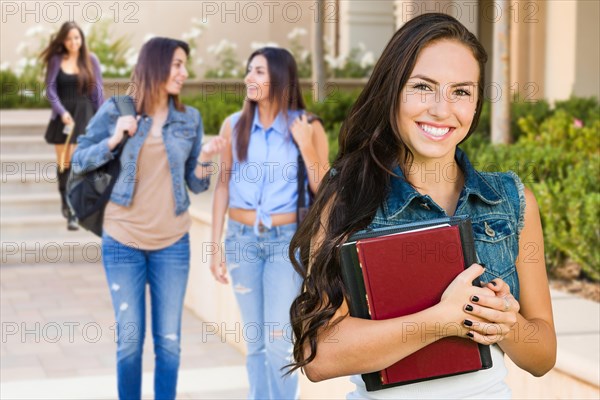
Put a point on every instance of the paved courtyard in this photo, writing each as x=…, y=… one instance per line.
x=58, y=340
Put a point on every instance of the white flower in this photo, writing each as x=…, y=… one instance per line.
x=367, y=60
x=34, y=30
x=130, y=57
x=296, y=33
x=304, y=55
x=27, y=92
x=335, y=63
x=122, y=71
x=5, y=66
x=111, y=69
x=195, y=33
x=220, y=73
x=148, y=37
x=260, y=45
x=199, y=23
x=31, y=62
x=22, y=63
x=199, y=61
x=221, y=47
x=102, y=68
x=361, y=46
x=21, y=47
x=86, y=29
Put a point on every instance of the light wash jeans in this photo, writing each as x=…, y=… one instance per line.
x=265, y=284
x=128, y=270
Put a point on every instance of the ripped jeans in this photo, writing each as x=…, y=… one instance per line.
x=128, y=270
x=265, y=284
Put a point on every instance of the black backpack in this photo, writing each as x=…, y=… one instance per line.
x=89, y=193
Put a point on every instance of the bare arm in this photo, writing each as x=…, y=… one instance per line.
x=221, y=204
x=314, y=147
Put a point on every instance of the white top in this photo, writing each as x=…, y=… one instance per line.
x=485, y=384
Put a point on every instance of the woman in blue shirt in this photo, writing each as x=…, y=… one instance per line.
x=399, y=162
x=258, y=188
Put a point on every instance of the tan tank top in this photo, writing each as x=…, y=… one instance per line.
x=149, y=223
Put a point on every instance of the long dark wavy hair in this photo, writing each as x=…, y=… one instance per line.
x=284, y=92
x=85, y=77
x=152, y=70
x=370, y=146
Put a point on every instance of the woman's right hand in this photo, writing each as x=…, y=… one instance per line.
x=66, y=118
x=126, y=123
x=218, y=268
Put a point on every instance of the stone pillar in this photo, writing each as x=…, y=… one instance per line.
x=501, y=77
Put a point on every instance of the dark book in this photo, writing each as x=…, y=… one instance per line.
x=401, y=270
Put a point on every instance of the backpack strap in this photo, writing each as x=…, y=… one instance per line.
x=125, y=106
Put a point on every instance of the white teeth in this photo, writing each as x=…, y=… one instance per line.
x=434, y=131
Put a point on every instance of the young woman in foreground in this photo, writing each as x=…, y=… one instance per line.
x=399, y=162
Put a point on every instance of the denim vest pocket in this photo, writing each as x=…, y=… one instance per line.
x=495, y=240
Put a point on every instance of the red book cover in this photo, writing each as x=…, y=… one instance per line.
x=407, y=273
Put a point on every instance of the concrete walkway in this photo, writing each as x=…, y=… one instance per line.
x=58, y=340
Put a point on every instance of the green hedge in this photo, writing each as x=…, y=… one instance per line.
x=216, y=107
x=556, y=154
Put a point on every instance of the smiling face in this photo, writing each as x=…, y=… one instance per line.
x=178, y=73
x=73, y=41
x=438, y=102
x=257, y=79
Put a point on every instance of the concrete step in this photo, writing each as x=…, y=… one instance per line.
x=24, y=122
x=13, y=205
x=24, y=145
x=42, y=182
x=16, y=228
x=71, y=247
x=27, y=163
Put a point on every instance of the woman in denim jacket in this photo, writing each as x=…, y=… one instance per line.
x=145, y=232
x=74, y=90
x=399, y=162
x=258, y=185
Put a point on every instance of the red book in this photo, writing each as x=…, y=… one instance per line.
x=404, y=273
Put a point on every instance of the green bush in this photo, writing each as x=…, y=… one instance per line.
x=558, y=158
x=21, y=92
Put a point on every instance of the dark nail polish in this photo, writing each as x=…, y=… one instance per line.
x=474, y=299
x=483, y=265
x=469, y=334
x=467, y=322
x=493, y=283
x=469, y=307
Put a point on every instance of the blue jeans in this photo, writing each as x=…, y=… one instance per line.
x=128, y=270
x=265, y=284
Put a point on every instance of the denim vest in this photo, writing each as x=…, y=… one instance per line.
x=182, y=136
x=495, y=202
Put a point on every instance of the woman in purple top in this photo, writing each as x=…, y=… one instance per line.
x=74, y=89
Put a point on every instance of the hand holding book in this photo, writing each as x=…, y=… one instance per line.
x=403, y=270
